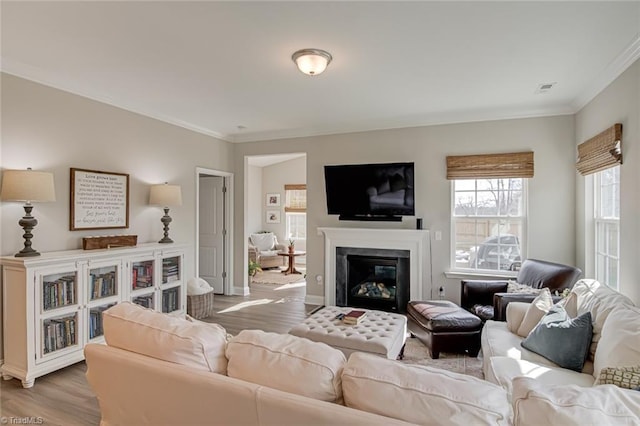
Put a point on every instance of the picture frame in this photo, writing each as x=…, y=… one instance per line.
x=99, y=200
x=273, y=200
x=273, y=216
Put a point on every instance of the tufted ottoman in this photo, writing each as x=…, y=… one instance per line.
x=380, y=333
x=444, y=326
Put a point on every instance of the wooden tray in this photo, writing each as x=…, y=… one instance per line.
x=110, y=241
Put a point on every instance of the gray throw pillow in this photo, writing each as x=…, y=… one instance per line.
x=561, y=339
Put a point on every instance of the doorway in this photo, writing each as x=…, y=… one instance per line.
x=273, y=183
x=214, y=227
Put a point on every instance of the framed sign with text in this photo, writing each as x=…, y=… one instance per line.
x=99, y=200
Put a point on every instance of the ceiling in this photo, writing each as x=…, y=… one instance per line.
x=225, y=69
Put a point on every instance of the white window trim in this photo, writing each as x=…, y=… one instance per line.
x=603, y=220
x=454, y=272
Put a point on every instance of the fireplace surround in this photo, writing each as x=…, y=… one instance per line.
x=407, y=246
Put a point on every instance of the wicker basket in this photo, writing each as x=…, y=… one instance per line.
x=200, y=306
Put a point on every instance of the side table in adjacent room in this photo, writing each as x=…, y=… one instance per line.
x=291, y=269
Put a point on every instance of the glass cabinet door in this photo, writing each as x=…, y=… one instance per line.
x=171, y=269
x=59, y=290
x=59, y=332
x=103, y=282
x=95, y=320
x=171, y=299
x=141, y=274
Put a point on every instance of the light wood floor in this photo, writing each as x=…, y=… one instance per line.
x=65, y=398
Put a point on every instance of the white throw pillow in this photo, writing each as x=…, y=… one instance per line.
x=287, y=363
x=263, y=242
x=514, y=287
x=536, y=403
x=600, y=300
x=538, y=309
x=570, y=304
x=145, y=331
x=421, y=395
x=619, y=344
x=515, y=314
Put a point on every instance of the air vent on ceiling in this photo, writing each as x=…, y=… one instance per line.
x=545, y=87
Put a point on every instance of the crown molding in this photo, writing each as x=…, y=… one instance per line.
x=610, y=73
x=628, y=56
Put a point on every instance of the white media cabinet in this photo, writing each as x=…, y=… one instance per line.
x=53, y=303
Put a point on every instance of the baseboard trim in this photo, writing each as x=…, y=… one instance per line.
x=311, y=299
x=241, y=291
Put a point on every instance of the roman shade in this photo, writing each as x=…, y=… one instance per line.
x=295, y=198
x=601, y=151
x=490, y=166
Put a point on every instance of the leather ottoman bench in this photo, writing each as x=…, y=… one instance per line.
x=444, y=326
x=380, y=333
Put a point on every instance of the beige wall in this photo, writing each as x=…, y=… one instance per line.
x=255, y=201
x=52, y=130
x=618, y=103
x=551, y=191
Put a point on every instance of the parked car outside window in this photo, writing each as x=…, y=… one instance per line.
x=500, y=252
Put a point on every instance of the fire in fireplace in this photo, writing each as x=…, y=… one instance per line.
x=373, y=279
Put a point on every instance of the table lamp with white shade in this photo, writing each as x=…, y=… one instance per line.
x=165, y=195
x=27, y=186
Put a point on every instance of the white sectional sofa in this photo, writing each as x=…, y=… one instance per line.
x=158, y=369
x=615, y=343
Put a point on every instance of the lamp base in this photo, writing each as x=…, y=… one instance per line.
x=166, y=220
x=27, y=253
x=27, y=223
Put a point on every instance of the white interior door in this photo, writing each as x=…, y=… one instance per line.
x=211, y=238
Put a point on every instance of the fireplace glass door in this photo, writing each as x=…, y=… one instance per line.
x=372, y=282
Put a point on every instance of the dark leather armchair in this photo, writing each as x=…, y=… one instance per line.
x=488, y=299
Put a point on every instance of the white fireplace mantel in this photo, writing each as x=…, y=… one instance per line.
x=417, y=242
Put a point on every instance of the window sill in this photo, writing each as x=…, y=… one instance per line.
x=480, y=275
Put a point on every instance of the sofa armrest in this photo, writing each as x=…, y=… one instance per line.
x=253, y=253
x=480, y=292
x=280, y=247
x=515, y=314
x=502, y=300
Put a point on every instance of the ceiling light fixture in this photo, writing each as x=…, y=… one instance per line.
x=311, y=61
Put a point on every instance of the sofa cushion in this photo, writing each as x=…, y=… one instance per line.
x=619, y=344
x=421, y=395
x=600, y=300
x=264, y=241
x=145, y=331
x=502, y=370
x=497, y=340
x=535, y=312
x=287, y=363
x=535, y=403
x=561, y=339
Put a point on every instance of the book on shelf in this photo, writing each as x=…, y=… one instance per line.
x=354, y=317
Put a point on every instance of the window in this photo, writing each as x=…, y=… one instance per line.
x=296, y=211
x=488, y=220
x=296, y=226
x=607, y=223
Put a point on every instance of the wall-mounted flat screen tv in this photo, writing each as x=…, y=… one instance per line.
x=370, y=191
